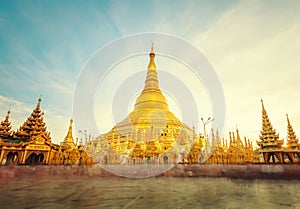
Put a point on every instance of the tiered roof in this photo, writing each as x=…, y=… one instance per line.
x=33, y=126
x=269, y=138
x=292, y=140
x=5, y=127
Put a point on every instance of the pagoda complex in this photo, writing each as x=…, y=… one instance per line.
x=195, y=155
x=151, y=133
x=234, y=153
x=31, y=144
x=273, y=149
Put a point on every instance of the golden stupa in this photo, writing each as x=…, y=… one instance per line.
x=151, y=131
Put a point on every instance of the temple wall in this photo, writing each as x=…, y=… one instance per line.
x=251, y=171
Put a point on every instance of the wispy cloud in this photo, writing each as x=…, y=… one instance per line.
x=253, y=48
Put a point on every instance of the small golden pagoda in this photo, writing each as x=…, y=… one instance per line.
x=70, y=153
x=194, y=155
x=270, y=145
x=292, y=140
x=235, y=153
x=219, y=155
x=5, y=127
x=250, y=155
x=68, y=142
x=151, y=132
x=292, y=148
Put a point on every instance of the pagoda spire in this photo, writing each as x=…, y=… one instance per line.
x=269, y=139
x=68, y=142
x=38, y=106
x=151, y=79
x=292, y=140
x=34, y=125
x=238, y=139
x=5, y=127
x=151, y=96
x=246, y=143
x=267, y=132
x=69, y=137
x=217, y=136
x=152, y=65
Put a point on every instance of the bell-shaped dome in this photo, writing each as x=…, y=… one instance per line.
x=151, y=96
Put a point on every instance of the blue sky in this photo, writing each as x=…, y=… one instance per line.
x=253, y=46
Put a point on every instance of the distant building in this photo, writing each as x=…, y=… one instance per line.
x=31, y=144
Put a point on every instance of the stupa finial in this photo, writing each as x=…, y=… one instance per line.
x=152, y=65
x=39, y=102
x=69, y=137
x=262, y=104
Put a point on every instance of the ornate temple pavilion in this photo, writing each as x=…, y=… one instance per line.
x=150, y=133
x=272, y=148
x=31, y=144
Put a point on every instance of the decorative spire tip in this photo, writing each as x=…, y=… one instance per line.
x=39, y=102
x=262, y=104
x=287, y=117
x=152, y=55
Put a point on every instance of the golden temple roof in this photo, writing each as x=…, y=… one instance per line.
x=34, y=125
x=268, y=137
x=292, y=140
x=5, y=127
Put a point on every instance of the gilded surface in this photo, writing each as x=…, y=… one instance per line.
x=273, y=149
x=150, y=133
x=234, y=153
x=31, y=144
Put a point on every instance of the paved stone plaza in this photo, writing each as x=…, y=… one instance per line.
x=77, y=191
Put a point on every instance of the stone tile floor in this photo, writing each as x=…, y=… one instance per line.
x=162, y=192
